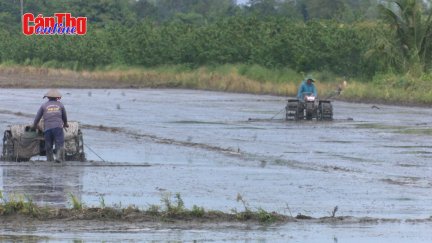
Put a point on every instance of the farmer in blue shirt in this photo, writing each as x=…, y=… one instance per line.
x=307, y=87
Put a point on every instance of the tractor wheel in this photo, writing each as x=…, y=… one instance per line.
x=8, y=153
x=8, y=147
x=292, y=110
x=301, y=111
x=325, y=111
x=79, y=155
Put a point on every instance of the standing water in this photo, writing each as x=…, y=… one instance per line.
x=213, y=147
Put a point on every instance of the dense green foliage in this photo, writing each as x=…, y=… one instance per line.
x=271, y=42
x=412, y=36
x=102, y=12
x=343, y=37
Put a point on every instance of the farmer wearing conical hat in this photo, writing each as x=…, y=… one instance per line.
x=55, y=118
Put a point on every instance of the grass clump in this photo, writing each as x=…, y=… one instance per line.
x=260, y=215
x=75, y=202
x=197, y=212
x=175, y=208
x=172, y=210
x=154, y=210
x=266, y=217
x=18, y=204
x=102, y=202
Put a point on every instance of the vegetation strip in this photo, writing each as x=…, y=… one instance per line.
x=388, y=88
x=172, y=211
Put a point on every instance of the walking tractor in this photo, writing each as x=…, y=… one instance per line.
x=20, y=143
x=309, y=108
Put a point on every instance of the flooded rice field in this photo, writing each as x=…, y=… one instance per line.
x=211, y=147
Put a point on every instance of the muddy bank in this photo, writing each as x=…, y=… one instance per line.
x=378, y=102
x=185, y=219
x=136, y=228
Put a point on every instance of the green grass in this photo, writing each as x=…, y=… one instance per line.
x=173, y=208
x=198, y=211
x=18, y=204
x=243, y=78
x=75, y=202
x=392, y=88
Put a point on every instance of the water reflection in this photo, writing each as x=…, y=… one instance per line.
x=46, y=184
x=23, y=239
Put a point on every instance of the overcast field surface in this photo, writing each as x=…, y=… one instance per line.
x=371, y=161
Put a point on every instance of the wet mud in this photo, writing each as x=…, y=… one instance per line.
x=374, y=164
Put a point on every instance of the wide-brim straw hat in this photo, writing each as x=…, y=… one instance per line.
x=52, y=93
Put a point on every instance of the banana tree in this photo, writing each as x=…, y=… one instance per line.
x=412, y=30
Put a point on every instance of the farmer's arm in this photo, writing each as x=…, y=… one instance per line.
x=38, y=117
x=300, y=91
x=64, y=117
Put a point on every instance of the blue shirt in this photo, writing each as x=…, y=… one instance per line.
x=306, y=88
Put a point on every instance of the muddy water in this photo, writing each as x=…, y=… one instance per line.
x=211, y=147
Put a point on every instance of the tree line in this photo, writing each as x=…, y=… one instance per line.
x=103, y=12
x=345, y=37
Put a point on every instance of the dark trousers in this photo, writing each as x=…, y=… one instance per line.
x=56, y=136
